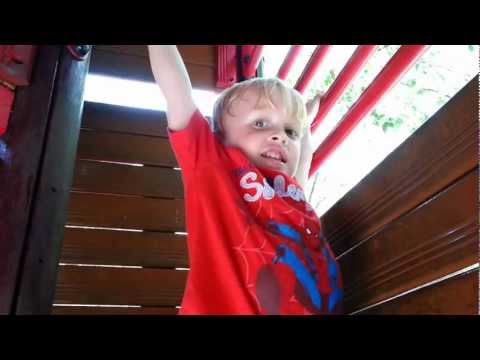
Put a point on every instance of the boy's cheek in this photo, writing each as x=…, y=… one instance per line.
x=295, y=162
x=298, y=149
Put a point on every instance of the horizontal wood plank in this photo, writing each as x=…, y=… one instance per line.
x=126, y=212
x=455, y=296
x=99, y=177
x=125, y=119
x=110, y=247
x=134, y=67
x=120, y=286
x=441, y=151
x=98, y=310
x=416, y=248
x=110, y=146
x=191, y=54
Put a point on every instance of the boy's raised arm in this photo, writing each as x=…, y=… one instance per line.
x=172, y=77
x=306, y=150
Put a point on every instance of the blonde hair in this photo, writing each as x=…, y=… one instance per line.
x=291, y=99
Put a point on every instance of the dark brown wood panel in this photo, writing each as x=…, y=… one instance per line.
x=97, y=310
x=126, y=212
x=125, y=119
x=110, y=247
x=416, y=248
x=199, y=54
x=44, y=239
x=135, y=67
x=120, y=286
x=192, y=54
x=20, y=159
x=99, y=177
x=441, y=151
x=109, y=146
x=455, y=296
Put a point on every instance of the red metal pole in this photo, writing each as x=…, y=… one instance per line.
x=348, y=73
x=289, y=61
x=251, y=60
x=390, y=74
x=226, y=66
x=312, y=67
x=6, y=101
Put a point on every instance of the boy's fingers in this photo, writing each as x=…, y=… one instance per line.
x=315, y=101
x=313, y=105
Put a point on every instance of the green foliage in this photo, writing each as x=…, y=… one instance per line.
x=428, y=85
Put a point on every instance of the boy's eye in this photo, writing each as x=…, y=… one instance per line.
x=260, y=123
x=292, y=133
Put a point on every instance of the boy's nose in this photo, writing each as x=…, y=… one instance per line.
x=278, y=138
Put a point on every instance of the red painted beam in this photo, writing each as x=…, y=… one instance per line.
x=6, y=101
x=346, y=76
x=226, y=66
x=251, y=55
x=312, y=66
x=289, y=61
x=385, y=80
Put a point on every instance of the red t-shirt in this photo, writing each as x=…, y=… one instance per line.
x=255, y=245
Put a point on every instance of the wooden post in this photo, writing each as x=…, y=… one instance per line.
x=42, y=142
x=20, y=155
x=36, y=286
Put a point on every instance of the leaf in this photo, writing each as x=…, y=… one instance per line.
x=398, y=122
x=330, y=78
x=385, y=126
x=411, y=83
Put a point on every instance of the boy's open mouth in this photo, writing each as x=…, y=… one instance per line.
x=274, y=155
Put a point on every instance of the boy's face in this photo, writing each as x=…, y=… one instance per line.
x=266, y=135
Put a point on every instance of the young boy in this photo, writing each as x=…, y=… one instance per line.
x=255, y=245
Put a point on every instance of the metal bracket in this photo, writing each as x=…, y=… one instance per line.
x=79, y=52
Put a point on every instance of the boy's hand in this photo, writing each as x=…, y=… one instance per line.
x=312, y=110
x=306, y=150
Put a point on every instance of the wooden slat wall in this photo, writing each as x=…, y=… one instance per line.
x=129, y=148
x=108, y=191
x=126, y=286
x=98, y=116
x=131, y=61
x=115, y=211
x=129, y=180
x=113, y=310
x=125, y=268
x=439, y=298
x=148, y=249
x=414, y=220
x=416, y=248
